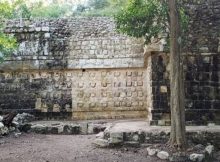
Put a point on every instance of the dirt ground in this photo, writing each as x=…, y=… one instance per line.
x=63, y=148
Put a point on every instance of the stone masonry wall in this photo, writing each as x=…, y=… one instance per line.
x=201, y=68
x=81, y=68
x=78, y=68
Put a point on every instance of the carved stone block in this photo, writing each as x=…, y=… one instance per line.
x=128, y=84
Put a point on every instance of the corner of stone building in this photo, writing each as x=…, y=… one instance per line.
x=148, y=66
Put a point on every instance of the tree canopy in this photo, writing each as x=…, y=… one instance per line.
x=147, y=18
x=143, y=18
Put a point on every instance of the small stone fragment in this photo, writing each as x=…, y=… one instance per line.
x=1, y=118
x=17, y=134
x=151, y=152
x=4, y=131
x=101, y=142
x=163, y=155
x=209, y=149
x=100, y=135
x=14, y=123
x=1, y=125
x=135, y=137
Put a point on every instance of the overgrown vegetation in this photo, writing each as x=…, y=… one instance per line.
x=38, y=10
x=148, y=19
x=104, y=7
x=7, y=42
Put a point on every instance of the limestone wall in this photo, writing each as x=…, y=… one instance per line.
x=72, y=44
x=79, y=68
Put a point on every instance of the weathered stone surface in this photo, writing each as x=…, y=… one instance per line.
x=25, y=127
x=209, y=149
x=197, y=157
x=100, y=135
x=116, y=138
x=160, y=134
x=163, y=155
x=17, y=134
x=14, y=123
x=101, y=142
x=151, y=151
x=1, y=125
x=135, y=137
x=4, y=130
x=23, y=118
x=178, y=157
x=1, y=118
x=84, y=128
x=71, y=129
x=131, y=144
x=52, y=130
x=81, y=68
x=38, y=128
x=11, y=129
x=76, y=46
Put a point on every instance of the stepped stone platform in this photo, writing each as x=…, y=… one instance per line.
x=133, y=132
x=136, y=133
x=72, y=127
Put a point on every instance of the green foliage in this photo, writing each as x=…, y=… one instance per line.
x=113, y=7
x=24, y=11
x=143, y=18
x=20, y=9
x=80, y=8
x=5, y=10
x=146, y=18
x=51, y=11
x=108, y=11
x=98, y=4
x=54, y=10
x=7, y=42
x=7, y=45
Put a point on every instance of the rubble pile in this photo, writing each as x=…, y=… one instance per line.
x=14, y=123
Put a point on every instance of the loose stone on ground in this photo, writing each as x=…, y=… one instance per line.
x=163, y=155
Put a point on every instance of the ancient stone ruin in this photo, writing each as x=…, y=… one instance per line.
x=82, y=68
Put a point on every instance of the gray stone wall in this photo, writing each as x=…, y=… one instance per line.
x=75, y=69
x=58, y=70
x=72, y=44
x=201, y=68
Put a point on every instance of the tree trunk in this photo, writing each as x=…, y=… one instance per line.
x=178, y=130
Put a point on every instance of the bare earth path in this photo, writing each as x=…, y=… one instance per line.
x=63, y=148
